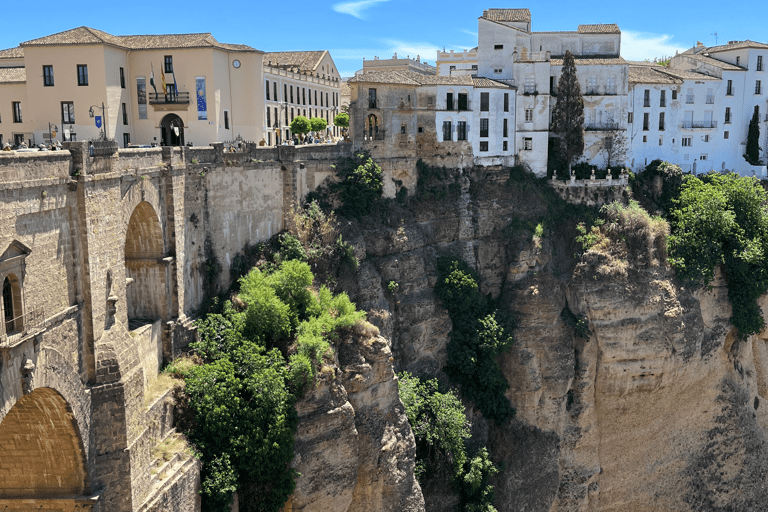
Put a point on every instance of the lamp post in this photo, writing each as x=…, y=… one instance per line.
x=103, y=118
x=52, y=130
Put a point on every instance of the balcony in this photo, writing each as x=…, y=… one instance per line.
x=16, y=329
x=710, y=100
x=699, y=125
x=178, y=98
x=458, y=105
x=601, y=127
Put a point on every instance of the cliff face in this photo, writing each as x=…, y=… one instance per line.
x=661, y=405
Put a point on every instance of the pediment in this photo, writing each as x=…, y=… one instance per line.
x=14, y=250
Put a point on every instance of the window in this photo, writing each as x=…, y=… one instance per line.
x=303, y=96
x=661, y=121
x=316, y=96
x=689, y=97
x=420, y=129
x=326, y=101
x=285, y=92
x=661, y=140
x=67, y=112
x=402, y=129
x=371, y=98
x=726, y=135
x=504, y=129
x=529, y=115
x=530, y=84
x=706, y=138
x=729, y=88
x=610, y=87
x=446, y=130
x=498, y=47
x=504, y=146
x=552, y=89
x=461, y=131
x=274, y=90
x=269, y=118
x=48, y=76
x=122, y=78
x=674, y=94
x=759, y=63
x=267, y=89
x=710, y=96
x=704, y=156
x=292, y=114
x=647, y=98
x=528, y=144
x=592, y=85
x=645, y=121
x=484, y=145
x=758, y=89
x=286, y=115
x=125, y=115
x=309, y=93
x=497, y=70
x=630, y=117
x=645, y=138
x=168, y=63
x=686, y=142
x=484, y=127
x=506, y=102
x=474, y=66
x=727, y=115
x=82, y=74
x=449, y=101
x=663, y=98
x=226, y=120
x=16, y=111
x=738, y=59
x=484, y=101
x=463, y=103
x=291, y=89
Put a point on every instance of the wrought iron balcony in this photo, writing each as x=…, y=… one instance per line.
x=601, y=127
x=694, y=125
x=14, y=329
x=169, y=98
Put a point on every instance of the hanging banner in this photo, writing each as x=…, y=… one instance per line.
x=141, y=95
x=98, y=121
x=202, y=111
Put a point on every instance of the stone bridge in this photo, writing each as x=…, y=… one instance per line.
x=103, y=258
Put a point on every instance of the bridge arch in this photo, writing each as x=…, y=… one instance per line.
x=144, y=250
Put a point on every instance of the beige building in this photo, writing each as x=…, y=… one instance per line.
x=397, y=64
x=82, y=78
x=300, y=84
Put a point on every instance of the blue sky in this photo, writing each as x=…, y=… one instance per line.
x=355, y=29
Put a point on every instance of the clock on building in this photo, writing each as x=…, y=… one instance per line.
x=236, y=63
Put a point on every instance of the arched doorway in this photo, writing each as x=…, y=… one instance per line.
x=41, y=425
x=371, y=127
x=172, y=130
x=146, y=293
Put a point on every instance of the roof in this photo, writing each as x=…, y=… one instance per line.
x=87, y=35
x=13, y=75
x=484, y=83
x=736, y=45
x=687, y=74
x=12, y=53
x=642, y=74
x=600, y=28
x=590, y=60
x=507, y=15
x=726, y=66
x=305, y=61
x=409, y=78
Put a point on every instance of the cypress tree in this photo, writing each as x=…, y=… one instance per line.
x=568, y=113
x=753, y=136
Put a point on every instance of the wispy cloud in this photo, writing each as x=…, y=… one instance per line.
x=647, y=46
x=356, y=8
x=469, y=32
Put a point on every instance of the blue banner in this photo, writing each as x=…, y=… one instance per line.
x=202, y=111
x=98, y=121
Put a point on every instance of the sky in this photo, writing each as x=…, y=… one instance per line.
x=355, y=29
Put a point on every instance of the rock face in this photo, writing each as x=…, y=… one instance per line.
x=354, y=447
x=660, y=408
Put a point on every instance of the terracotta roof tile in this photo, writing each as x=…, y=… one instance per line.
x=650, y=75
x=736, y=45
x=687, y=74
x=12, y=53
x=507, y=14
x=715, y=62
x=409, y=78
x=13, y=75
x=600, y=28
x=305, y=61
x=87, y=35
x=484, y=83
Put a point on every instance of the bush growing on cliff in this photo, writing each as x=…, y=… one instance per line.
x=361, y=185
x=723, y=219
x=480, y=333
x=441, y=429
x=240, y=401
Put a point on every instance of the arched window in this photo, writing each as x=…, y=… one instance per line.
x=8, y=305
x=372, y=127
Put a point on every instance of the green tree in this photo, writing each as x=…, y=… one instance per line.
x=568, y=113
x=361, y=184
x=723, y=219
x=341, y=120
x=300, y=125
x=318, y=124
x=753, y=141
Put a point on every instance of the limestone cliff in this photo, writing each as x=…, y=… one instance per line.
x=660, y=408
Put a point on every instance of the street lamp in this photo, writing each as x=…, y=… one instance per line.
x=103, y=118
x=52, y=131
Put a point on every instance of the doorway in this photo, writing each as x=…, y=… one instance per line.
x=172, y=130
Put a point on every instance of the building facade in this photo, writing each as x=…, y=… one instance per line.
x=90, y=84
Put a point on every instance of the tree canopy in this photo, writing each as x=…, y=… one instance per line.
x=301, y=125
x=341, y=119
x=568, y=113
x=318, y=124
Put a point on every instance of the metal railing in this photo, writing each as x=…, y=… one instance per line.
x=168, y=98
x=457, y=105
x=595, y=127
x=15, y=328
x=699, y=124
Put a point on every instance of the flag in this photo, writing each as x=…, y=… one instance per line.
x=162, y=79
x=152, y=79
x=175, y=88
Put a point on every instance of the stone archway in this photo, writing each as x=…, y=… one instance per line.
x=41, y=449
x=169, y=127
x=144, y=266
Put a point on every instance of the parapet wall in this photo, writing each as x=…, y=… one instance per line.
x=591, y=192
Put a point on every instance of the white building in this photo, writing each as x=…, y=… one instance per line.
x=397, y=64
x=300, y=84
x=457, y=63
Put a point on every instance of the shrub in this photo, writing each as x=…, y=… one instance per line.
x=361, y=185
x=291, y=248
